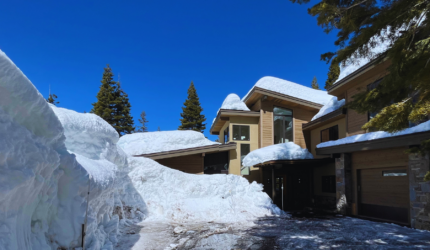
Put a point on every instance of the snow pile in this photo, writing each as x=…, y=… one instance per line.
x=376, y=135
x=329, y=107
x=161, y=141
x=292, y=89
x=282, y=151
x=176, y=196
x=232, y=101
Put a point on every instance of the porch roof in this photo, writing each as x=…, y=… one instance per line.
x=296, y=162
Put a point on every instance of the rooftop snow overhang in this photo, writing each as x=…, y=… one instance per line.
x=290, y=163
x=224, y=116
x=258, y=93
x=325, y=119
x=190, y=151
x=390, y=142
x=342, y=85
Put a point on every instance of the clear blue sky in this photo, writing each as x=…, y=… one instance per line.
x=159, y=47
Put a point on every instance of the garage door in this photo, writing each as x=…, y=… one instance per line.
x=383, y=193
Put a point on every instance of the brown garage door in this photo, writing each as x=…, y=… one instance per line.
x=383, y=193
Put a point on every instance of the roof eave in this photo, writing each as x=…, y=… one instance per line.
x=327, y=118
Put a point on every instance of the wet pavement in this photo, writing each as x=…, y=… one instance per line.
x=305, y=231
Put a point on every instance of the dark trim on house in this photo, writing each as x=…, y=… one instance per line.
x=190, y=151
x=340, y=113
x=390, y=142
x=282, y=97
x=295, y=162
x=231, y=112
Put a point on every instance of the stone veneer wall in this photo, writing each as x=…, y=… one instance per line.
x=419, y=192
x=343, y=184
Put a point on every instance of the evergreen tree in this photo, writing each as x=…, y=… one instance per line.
x=403, y=96
x=143, y=121
x=192, y=119
x=159, y=129
x=113, y=105
x=332, y=75
x=315, y=83
x=52, y=99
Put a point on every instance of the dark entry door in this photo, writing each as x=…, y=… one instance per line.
x=383, y=193
x=298, y=190
x=280, y=191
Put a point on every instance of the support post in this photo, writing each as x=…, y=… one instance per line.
x=343, y=184
x=419, y=192
x=273, y=184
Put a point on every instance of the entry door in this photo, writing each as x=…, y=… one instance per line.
x=298, y=190
x=280, y=194
x=383, y=193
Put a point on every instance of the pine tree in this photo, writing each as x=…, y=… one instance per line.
x=332, y=75
x=143, y=121
x=52, y=99
x=315, y=83
x=192, y=119
x=113, y=105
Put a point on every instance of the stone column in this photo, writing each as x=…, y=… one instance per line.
x=343, y=184
x=419, y=192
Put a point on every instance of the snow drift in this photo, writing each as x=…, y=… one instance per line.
x=329, y=107
x=232, y=101
x=160, y=141
x=292, y=89
x=376, y=135
x=282, y=151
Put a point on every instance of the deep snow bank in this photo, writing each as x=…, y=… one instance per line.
x=160, y=141
x=282, y=151
x=329, y=107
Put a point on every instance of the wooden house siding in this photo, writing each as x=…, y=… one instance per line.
x=192, y=164
x=267, y=124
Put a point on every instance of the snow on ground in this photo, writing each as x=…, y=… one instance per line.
x=329, y=107
x=425, y=126
x=232, y=101
x=161, y=141
x=292, y=89
x=282, y=151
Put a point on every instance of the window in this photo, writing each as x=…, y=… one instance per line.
x=329, y=184
x=394, y=173
x=244, y=150
x=330, y=134
x=371, y=86
x=240, y=133
x=282, y=125
x=226, y=135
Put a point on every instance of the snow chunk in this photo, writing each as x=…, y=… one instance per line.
x=232, y=101
x=292, y=89
x=329, y=107
x=161, y=141
x=282, y=151
x=376, y=135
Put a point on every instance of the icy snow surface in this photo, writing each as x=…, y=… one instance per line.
x=376, y=135
x=292, y=89
x=160, y=141
x=329, y=107
x=232, y=101
x=282, y=151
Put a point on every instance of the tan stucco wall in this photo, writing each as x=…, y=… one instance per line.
x=319, y=172
x=316, y=134
x=252, y=122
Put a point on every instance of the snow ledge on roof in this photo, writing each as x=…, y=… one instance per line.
x=232, y=101
x=292, y=89
x=329, y=107
x=376, y=135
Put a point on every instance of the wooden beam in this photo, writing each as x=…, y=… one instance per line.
x=224, y=118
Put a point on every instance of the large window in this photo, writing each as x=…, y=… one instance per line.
x=330, y=134
x=226, y=135
x=283, y=125
x=244, y=150
x=240, y=133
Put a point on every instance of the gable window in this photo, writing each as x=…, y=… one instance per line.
x=226, y=135
x=372, y=86
x=282, y=125
x=240, y=133
x=328, y=184
x=330, y=134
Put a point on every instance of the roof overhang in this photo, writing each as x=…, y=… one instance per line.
x=224, y=115
x=390, y=142
x=190, y=151
x=257, y=93
x=291, y=163
x=376, y=64
x=325, y=119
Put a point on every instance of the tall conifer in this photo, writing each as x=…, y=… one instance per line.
x=315, y=83
x=192, y=119
x=124, y=120
x=142, y=121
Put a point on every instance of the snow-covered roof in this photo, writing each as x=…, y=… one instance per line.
x=329, y=107
x=282, y=151
x=162, y=141
x=232, y=101
x=292, y=89
x=376, y=135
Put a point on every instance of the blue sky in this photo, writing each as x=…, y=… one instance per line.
x=159, y=47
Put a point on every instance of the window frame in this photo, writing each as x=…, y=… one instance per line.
x=240, y=132
x=228, y=134
x=292, y=120
x=329, y=134
x=244, y=144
